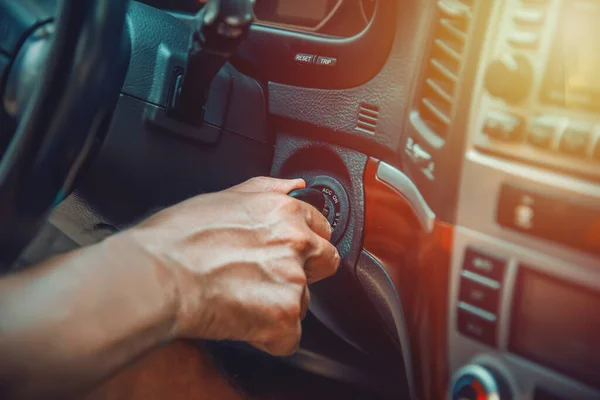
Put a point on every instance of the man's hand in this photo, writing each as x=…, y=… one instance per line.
x=242, y=260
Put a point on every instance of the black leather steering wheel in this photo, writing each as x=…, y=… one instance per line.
x=56, y=120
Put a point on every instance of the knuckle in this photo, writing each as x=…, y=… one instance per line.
x=289, y=204
x=298, y=277
x=289, y=349
x=258, y=180
x=291, y=312
x=299, y=240
x=288, y=313
x=336, y=261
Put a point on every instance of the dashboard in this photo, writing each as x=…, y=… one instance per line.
x=329, y=17
x=462, y=140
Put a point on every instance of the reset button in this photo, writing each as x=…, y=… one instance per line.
x=304, y=58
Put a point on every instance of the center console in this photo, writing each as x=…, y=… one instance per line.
x=540, y=85
x=524, y=316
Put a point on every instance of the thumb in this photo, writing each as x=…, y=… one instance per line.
x=264, y=184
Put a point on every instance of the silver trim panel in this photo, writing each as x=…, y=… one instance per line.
x=402, y=183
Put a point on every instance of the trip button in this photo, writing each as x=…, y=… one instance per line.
x=542, y=131
x=479, y=292
x=483, y=264
x=478, y=325
x=575, y=139
x=326, y=61
x=503, y=126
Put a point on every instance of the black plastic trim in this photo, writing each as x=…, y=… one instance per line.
x=268, y=53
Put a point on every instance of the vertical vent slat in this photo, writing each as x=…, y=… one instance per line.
x=438, y=89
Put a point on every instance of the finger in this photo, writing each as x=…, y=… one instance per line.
x=323, y=261
x=259, y=345
x=305, y=303
x=286, y=345
x=266, y=184
x=315, y=220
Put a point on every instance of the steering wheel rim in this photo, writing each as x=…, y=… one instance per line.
x=69, y=108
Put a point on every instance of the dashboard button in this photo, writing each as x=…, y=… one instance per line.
x=548, y=215
x=503, y=126
x=529, y=16
x=510, y=77
x=304, y=58
x=575, y=139
x=479, y=293
x=542, y=131
x=484, y=264
x=524, y=40
x=476, y=327
x=326, y=61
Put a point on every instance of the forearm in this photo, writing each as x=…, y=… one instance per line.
x=75, y=319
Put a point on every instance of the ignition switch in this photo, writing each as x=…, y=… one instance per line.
x=338, y=200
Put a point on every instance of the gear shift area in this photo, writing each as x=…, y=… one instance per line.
x=220, y=27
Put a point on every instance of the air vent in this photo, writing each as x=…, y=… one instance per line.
x=444, y=64
x=367, y=119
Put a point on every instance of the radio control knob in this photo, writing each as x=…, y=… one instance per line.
x=476, y=382
x=509, y=78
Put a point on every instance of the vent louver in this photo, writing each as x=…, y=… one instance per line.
x=444, y=64
x=367, y=118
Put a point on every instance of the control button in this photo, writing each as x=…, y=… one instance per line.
x=510, y=78
x=542, y=131
x=575, y=139
x=551, y=216
x=304, y=58
x=480, y=326
x=503, y=126
x=479, y=292
x=529, y=16
x=524, y=40
x=326, y=61
x=479, y=382
x=485, y=265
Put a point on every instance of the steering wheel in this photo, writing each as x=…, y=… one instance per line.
x=60, y=87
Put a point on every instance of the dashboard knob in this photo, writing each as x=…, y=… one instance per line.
x=476, y=382
x=510, y=78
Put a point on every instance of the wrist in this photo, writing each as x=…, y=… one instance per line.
x=149, y=279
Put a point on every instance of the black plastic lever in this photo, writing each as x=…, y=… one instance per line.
x=221, y=26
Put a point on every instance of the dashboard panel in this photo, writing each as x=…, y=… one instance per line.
x=328, y=17
x=437, y=217
x=525, y=269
